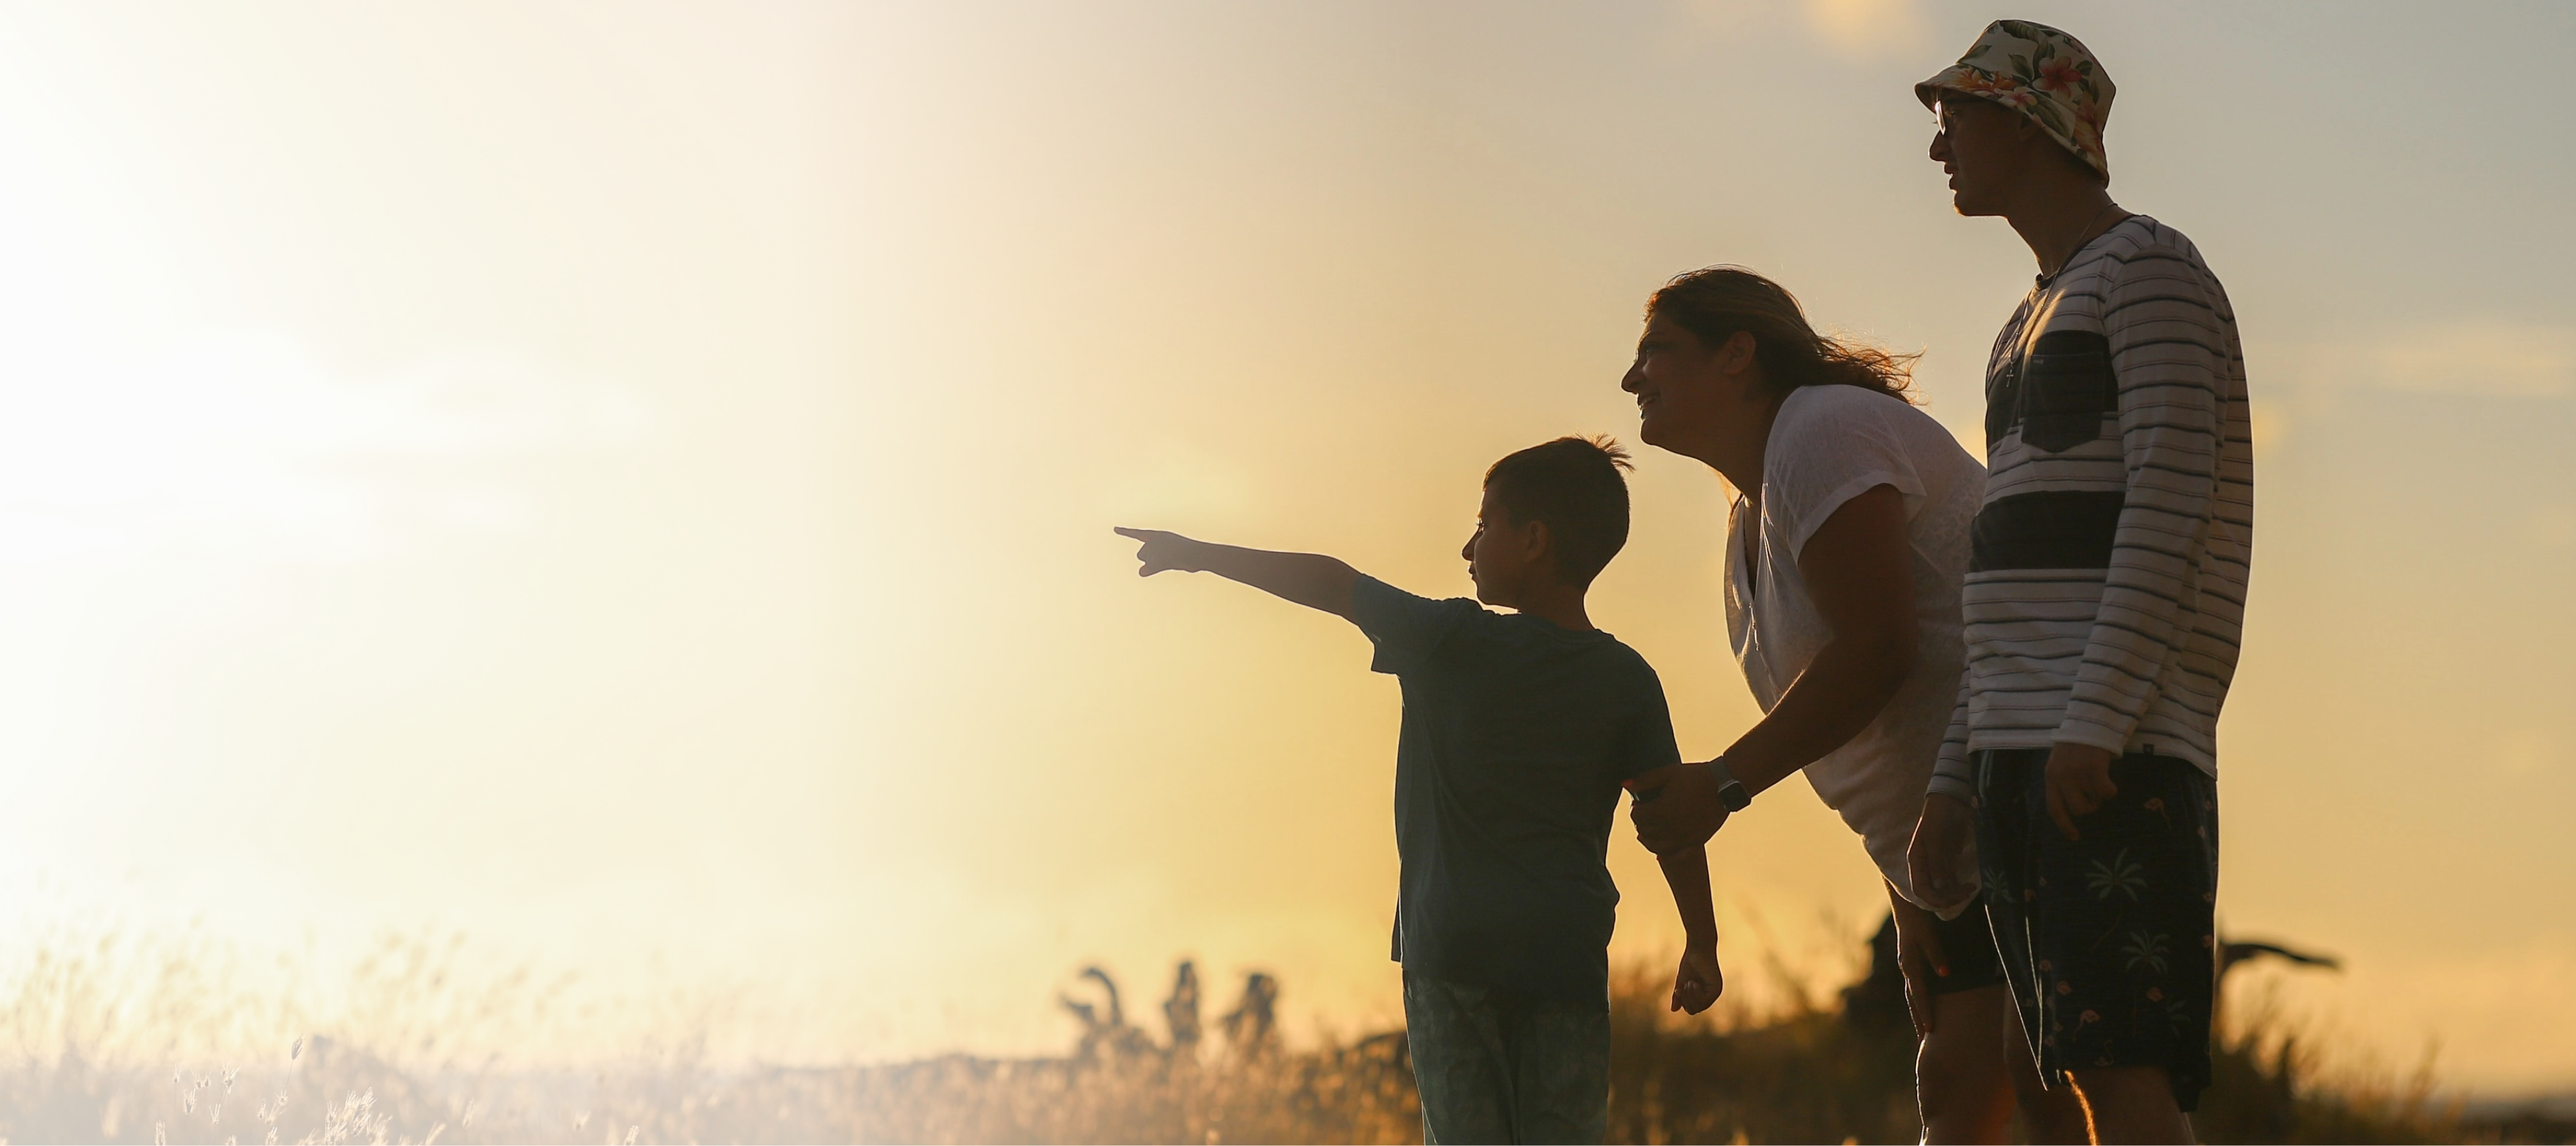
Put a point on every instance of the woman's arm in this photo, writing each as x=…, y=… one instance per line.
x=1859, y=571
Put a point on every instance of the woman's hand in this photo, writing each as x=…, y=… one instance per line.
x=1676, y=807
x=1699, y=982
x=1940, y=851
x=1919, y=957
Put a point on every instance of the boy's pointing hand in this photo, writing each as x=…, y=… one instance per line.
x=1161, y=551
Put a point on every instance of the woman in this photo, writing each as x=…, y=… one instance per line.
x=1846, y=545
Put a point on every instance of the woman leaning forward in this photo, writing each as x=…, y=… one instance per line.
x=1847, y=542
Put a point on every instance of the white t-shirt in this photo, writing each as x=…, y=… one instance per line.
x=1830, y=444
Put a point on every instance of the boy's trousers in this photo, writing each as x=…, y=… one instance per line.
x=1496, y=1066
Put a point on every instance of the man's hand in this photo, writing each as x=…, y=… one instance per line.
x=1676, y=807
x=1940, y=847
x=1162, y=551
x=1699, y=981
x=2079, y=779
x=1919, y=957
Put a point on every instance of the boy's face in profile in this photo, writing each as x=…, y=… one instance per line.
x=1504, y=558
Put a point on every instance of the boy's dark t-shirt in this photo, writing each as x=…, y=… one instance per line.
x=1517, y=734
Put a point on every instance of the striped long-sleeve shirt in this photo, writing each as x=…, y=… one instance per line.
x=2105, y=597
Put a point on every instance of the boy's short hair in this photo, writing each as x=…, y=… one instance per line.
x=1575, y=486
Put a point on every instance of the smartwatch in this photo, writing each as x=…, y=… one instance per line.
x=1731, y=793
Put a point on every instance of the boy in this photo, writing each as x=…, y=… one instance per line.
x=1518, y=732
x=2104, y=602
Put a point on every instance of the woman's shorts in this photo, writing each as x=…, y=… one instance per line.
x=1969, y=943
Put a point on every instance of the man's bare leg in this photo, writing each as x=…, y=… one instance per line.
x=2133, y=1104
x=1960, y=1080
x=2052, y=1114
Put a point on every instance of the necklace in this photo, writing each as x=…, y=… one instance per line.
x=2081, y=237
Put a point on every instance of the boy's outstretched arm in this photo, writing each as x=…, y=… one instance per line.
x=1699, y=982
x=1309, y=579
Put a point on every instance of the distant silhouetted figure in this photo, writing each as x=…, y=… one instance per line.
x=1876, y=1002
x=1107, y=1035
x=1518, y=732
x=1249, y=1026
x=1181, y=1011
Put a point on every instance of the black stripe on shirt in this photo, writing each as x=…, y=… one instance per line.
x=2058, y=529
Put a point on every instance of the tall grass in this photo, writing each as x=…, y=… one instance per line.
x=116, y=1040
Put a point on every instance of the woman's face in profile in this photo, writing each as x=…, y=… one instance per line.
x=1686, y=389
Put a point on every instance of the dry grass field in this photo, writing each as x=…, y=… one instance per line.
x=115, y=1041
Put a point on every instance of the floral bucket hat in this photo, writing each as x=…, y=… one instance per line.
x=2040, y=72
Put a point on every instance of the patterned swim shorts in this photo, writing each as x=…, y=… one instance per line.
x=2107, y=941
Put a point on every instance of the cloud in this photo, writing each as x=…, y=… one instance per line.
x=2471, y=356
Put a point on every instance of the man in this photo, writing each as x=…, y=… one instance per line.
x=2102, y=607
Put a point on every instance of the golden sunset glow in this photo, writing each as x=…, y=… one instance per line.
x=631, y=484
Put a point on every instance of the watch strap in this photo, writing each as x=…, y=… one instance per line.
x=1730, y=791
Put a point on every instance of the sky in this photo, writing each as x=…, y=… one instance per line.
x=630, y=484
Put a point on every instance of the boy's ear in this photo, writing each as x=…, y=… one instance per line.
x=1539, y=543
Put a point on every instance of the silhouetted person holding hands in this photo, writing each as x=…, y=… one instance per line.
x=2103, y=603
x=1846, y=542
x=1518, y=731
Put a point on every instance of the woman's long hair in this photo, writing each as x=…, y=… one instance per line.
x=1714, y=303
